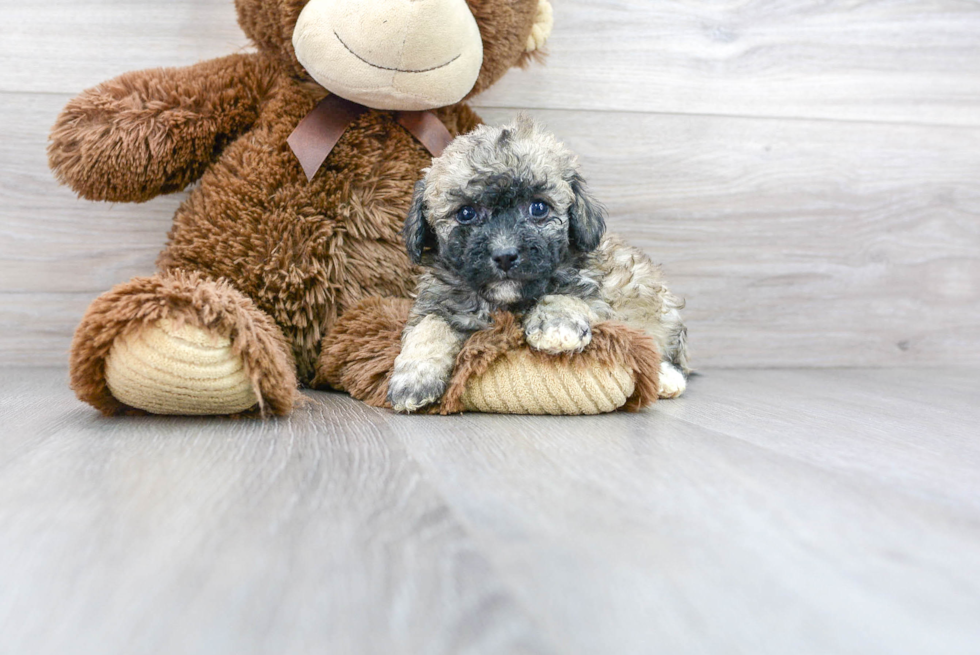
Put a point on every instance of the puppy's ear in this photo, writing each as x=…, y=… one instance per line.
x=418, y=235
x=586, y=218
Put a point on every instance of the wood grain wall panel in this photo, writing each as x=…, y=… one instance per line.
x=58, y=46
x=890, y=60
x=886, y=60
x=52, y=241
x=36, y=328
x=813, y=242
x=796, y=241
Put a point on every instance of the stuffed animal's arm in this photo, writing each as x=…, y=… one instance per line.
x=155, y=131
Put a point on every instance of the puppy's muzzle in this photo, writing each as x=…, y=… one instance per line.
x=505, y=258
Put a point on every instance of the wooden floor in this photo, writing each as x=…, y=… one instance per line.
x=769, y=511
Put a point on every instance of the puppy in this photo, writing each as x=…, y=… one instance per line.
x=503, y=220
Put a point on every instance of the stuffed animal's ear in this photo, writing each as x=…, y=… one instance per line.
x=544, y=21
x=586, y=218
x=418, y=235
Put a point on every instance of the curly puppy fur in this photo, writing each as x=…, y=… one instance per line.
x=504, y=221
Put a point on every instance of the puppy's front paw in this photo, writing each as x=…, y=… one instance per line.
x=556, y=334
x=672, y=382
x=412, y=389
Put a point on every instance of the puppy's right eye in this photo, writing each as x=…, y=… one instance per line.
x=466, y=215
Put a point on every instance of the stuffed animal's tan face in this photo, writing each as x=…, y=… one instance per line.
x=391, y=54
x=400, y=54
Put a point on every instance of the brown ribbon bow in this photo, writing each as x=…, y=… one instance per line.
x=321, y=129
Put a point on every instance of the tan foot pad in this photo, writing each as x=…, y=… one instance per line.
x=521, y=384
x=163, y=369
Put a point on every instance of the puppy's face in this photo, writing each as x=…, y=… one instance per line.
x=504, y=209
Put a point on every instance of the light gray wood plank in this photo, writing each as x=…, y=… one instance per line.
x=913, y=430
x=33, y=406
x=798, y=242
x=742, y=518
x=155, y=535
x=64, y=46
x=36, y=328
x=53, y=241
x=795, y=242
x=764, y=512
x=889, y=60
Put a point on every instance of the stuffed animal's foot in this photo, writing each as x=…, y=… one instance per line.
x=671, y=382
x=165, y=368
x=558, y=324
x=181, y=343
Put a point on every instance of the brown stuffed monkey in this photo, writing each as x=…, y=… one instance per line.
x=264, y=258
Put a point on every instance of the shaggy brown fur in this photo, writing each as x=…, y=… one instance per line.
x=145, y=133
x=359, y=354
x=301, y=252
x=184, y=298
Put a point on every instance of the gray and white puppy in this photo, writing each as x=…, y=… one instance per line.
x=503, y=220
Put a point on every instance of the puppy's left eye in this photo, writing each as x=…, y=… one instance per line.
x=539, y=209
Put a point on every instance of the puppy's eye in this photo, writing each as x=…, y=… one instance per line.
x=539, y=209
x=466, y=215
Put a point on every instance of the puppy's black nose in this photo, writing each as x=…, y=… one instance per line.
x=505, y=258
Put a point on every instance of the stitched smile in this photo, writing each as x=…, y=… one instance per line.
x=389, y=68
